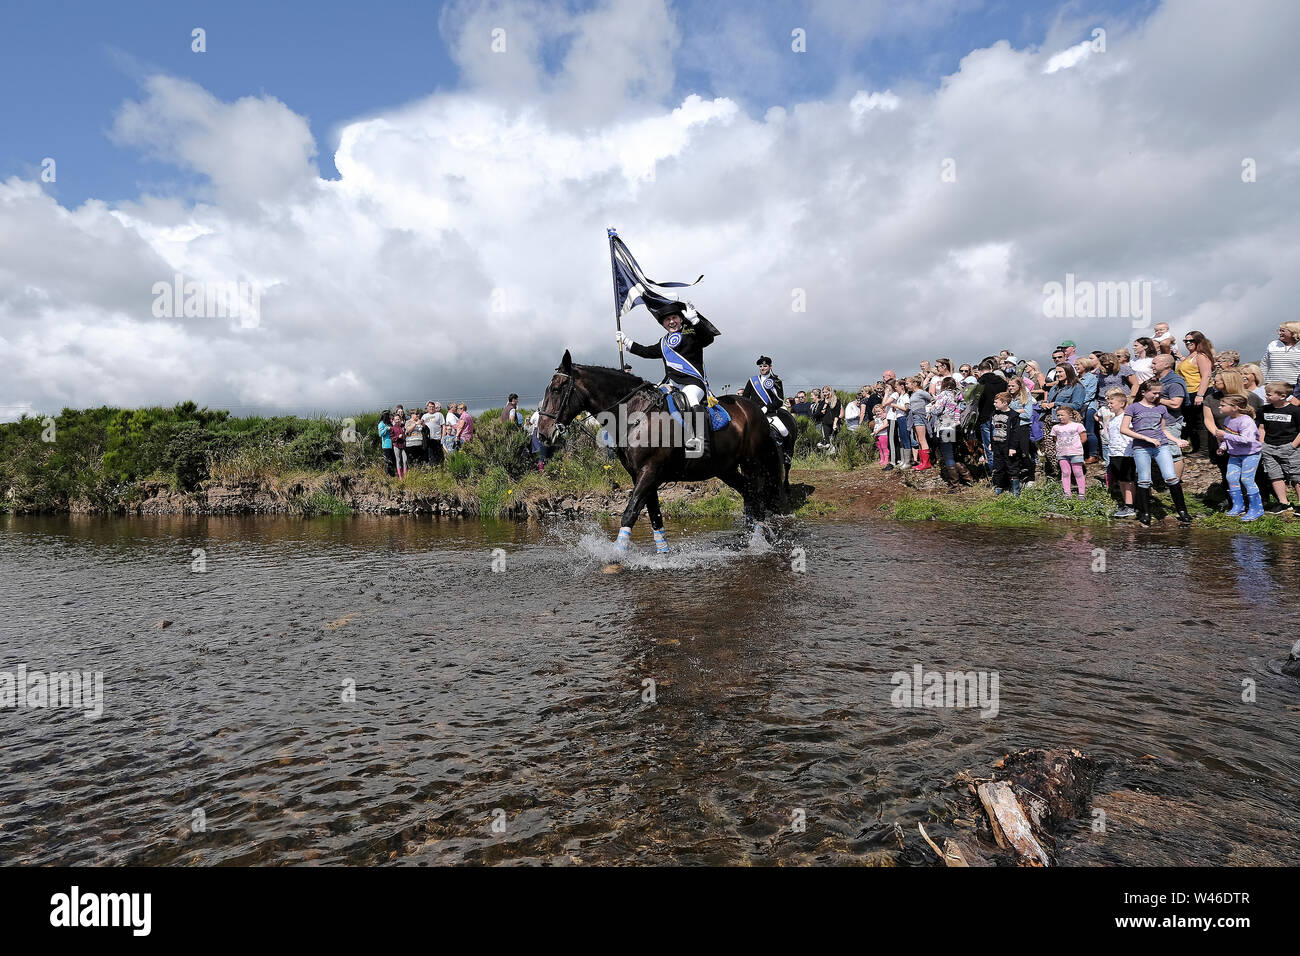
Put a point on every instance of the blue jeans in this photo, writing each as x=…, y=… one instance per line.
x=1242, y=468
x=1090, y=425
x=905, y=437
x=1164, y=456
x=946, y=454
x=986, y=435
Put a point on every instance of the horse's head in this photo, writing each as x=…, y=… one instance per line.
x=561, y=403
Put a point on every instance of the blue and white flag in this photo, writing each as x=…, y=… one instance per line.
x=631, y=287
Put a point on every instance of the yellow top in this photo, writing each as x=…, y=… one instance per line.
x=1190, y=372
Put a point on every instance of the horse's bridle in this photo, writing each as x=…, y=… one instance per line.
x=560, y=427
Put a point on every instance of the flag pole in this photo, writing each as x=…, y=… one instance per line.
x=612, y=233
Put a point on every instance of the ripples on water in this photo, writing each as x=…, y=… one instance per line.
x=523, y=690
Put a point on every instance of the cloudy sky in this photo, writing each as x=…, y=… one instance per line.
x=420, y=195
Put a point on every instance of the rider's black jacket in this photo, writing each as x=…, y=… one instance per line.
x=776, y=389
x=694, y=339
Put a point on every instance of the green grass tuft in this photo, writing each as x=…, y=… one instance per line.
x=1045, y=501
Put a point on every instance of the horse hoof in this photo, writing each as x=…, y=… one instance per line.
x=611, y=569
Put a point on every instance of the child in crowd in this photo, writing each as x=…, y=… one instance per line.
x=1069, y=434
x=1146, y=421
x=880, y=431
x=1010, y=439
x=1120, y=473
x=1280, y=430
x=1105, y=415
x=1242, y=445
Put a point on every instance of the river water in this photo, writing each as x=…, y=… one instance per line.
x=508, y=715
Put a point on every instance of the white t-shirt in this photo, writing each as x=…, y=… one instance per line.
x=452, y=420
x=1120, y=445
x=434, y=420
x=1142, y=369
x=852, y=412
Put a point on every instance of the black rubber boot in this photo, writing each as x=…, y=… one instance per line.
x=1143, y=503
x=1180, y=503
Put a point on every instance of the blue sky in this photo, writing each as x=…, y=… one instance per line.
x=66, y=67
x=422, y=217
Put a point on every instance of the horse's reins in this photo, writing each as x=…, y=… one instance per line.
x=568, y=389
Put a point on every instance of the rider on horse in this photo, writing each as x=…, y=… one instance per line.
x=766, y=389
x=682, y=350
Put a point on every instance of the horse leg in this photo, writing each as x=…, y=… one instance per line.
x=755, y=478
x=645, y=485
x=736, y=481
x=656, y=522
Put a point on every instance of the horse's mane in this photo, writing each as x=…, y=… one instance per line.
x=613, y=377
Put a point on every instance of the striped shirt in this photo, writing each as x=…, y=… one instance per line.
x=1281, y=363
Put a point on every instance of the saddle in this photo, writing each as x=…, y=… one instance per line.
x=718, y=416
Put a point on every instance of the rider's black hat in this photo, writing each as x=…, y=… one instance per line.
x=764, y=360
x=662, y=310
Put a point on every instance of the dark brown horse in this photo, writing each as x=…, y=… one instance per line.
x=743, y=453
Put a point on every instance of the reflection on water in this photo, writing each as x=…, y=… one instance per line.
x=682, y=710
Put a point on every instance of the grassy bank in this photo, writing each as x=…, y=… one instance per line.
x=1045, y=502
x=107, y=458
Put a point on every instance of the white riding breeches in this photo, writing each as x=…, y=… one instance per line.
x=778, y=425
x=693, y=392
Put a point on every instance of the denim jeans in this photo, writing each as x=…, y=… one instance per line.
x=1242, y=468
x=986, y=436
x=1090, y=425
x=946, y=454
x=1164, y=456
x=905, y=437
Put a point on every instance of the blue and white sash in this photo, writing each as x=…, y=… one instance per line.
x=761, y=385
x=675, y=361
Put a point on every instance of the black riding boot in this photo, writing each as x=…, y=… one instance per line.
x=1180, y=503
x=1143, y=503
x=697, y=439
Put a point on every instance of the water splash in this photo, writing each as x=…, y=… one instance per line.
x=709, y=549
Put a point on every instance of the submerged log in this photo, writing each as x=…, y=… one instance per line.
x=1029, y=796
x=1053, y=785
x=1011, y=828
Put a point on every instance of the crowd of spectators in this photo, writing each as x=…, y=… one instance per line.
x=1126, y=413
